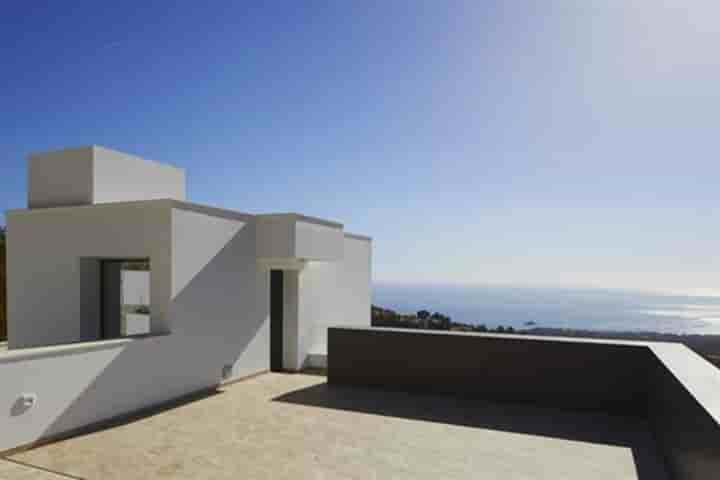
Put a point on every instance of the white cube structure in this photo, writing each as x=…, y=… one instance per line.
x=289, y=236
x=89, y=205
x=91, y=175
x=230, y=294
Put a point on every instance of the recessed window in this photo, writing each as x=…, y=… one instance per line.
x=125, y=298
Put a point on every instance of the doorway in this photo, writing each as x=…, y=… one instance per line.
x=124, y=298
x=277, y=301
x=111, y=299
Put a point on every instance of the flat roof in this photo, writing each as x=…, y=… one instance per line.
x=190, y=206
x=304, y=218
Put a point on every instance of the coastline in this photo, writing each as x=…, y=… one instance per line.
x=706, y=345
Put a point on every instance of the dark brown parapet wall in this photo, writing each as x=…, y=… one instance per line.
x=619, y=377
x=573, y=375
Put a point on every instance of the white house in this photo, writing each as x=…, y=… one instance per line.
x=121, y=294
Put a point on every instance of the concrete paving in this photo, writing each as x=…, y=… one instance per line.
x=16, y=471
x=284, y=426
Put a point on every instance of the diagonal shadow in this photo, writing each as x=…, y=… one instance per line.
x=595, y=428
x=167, y=371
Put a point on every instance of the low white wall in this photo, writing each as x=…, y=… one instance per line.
x=77, y=386
x=82, y=384
x=136, y=324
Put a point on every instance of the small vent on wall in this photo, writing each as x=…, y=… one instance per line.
x=227, y=371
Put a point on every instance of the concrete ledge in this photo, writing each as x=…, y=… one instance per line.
x=668, y=384
x=80, y=208
x=20, y=354
x=304, y=218
x=357, y=236
x=212, y=211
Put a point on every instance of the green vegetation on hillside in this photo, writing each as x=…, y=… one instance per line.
x=707, y=346
x=424, y=320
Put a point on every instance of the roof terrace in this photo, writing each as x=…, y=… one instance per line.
x=413, y=405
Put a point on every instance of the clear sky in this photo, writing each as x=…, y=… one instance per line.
x=534, y=143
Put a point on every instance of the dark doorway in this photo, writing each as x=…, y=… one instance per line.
x=111, y=299
x=276, y=320
x=124, y=296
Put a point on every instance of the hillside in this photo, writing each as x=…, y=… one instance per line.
x=707, y=346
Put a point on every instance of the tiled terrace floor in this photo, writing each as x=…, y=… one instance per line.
x=283, y=426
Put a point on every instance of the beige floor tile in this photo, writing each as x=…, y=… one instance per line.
x=282, y=426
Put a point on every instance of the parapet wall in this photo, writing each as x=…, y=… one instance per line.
x=643, y=379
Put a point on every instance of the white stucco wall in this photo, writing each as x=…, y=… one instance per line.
x=66, y=379
x=46, y=249
x=209, y=291
x=94, y=174
x=290, y=236
x=217, y=310
x=320, y=294
x=90, y=302
x=60, y=178
x=316, y=241
x=292, y=355
x=220, y=298
x=120, y=177
x=356, y=283
x=275, y=236
x=332, y=294
x=135, y=324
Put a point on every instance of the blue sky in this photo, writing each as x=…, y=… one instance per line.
x=534, y=143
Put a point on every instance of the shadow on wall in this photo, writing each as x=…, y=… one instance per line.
x=472, y=412
x=214, y=319
x=19, y=407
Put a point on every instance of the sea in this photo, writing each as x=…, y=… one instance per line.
x=580, y=309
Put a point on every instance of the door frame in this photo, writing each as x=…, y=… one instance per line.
x=277, y=320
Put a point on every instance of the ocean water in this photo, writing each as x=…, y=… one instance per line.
x=606, y=310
